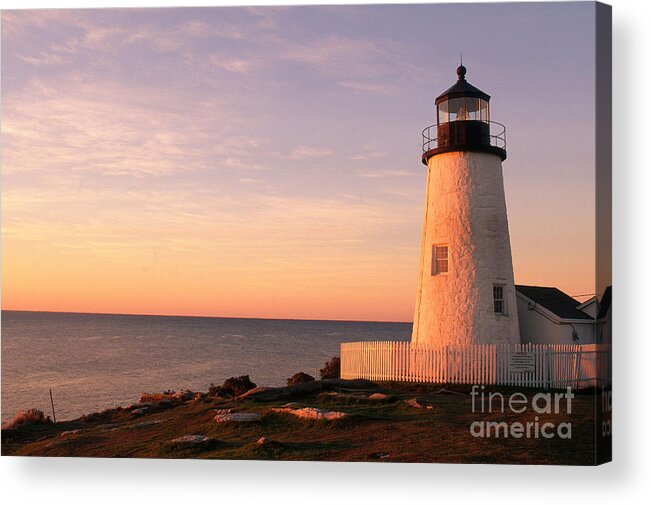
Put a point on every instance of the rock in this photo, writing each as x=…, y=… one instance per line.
x=165, y=402
x=184, y=395
x=312, y=413
x=192, y=440
x=260, y=390
x=266, y=394
x=448, y=392
x=138, y=412
x=145, y=424
x=379, y=397
x=223, y=411
x=342, y=396
x=262, y=441
x=105, y=415
x=414, y=403
x=69, y=432
x=239, y=417
x=429, y=407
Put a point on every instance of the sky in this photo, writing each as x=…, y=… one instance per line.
x=265, y=162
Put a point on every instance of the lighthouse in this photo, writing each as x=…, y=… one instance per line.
x=466, y=294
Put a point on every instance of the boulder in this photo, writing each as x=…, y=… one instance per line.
x=379, y=397
x=238, y=417
x=146, y=424
x=192, y=440
x=311, y=413
x=256, y=392
x=69, y=432
x=266, y=394
x=184, y=395
x=413, y=403
x=143, y=405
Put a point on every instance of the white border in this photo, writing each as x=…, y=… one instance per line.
x=48, y=481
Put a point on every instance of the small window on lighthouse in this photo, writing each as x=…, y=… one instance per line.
x=498, y=299
x=440, y=259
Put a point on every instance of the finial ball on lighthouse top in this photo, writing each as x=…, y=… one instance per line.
x=461, y=72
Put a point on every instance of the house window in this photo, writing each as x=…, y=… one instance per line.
x=439, y=259
x=499, y=304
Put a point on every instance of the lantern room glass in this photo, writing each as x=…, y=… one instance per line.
x=464, y=108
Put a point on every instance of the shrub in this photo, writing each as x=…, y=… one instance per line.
x=235, y=386
x=27, y=417
x=299, y=378
x=332, y=369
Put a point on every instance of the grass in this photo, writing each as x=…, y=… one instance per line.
x=375, y=430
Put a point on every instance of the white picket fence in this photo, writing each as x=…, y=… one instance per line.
x=528, y=365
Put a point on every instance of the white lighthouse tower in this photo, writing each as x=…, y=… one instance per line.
x=466, y=293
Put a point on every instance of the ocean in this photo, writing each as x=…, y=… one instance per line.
x=97, y=361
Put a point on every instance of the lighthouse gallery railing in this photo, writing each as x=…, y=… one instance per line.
x=497, y=136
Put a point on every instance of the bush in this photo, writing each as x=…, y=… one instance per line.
x=332, y=369
x=27, y=417
x=299, y=378
x=235, y=386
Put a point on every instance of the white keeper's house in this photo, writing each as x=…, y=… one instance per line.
x=471, y=322
x=549, y=316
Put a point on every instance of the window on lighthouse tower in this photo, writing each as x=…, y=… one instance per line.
x=439, y=259
x=498, y=299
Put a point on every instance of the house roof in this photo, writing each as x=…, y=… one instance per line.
x=606, y=300
x=554, y=300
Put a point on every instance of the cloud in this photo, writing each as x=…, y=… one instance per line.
x=254, y=40
x=375, y=174
x=369, y=155
x=357, y=63
x=368, y=87
x=307, y=153
x=237, y=65
x=81, y=125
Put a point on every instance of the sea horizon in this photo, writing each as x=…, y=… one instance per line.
x=137, y=314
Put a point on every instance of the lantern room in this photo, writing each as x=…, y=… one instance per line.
x=463, y=122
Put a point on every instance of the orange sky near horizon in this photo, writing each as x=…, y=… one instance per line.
x=282, y=180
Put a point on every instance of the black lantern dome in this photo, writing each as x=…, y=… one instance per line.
x=463, y=122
